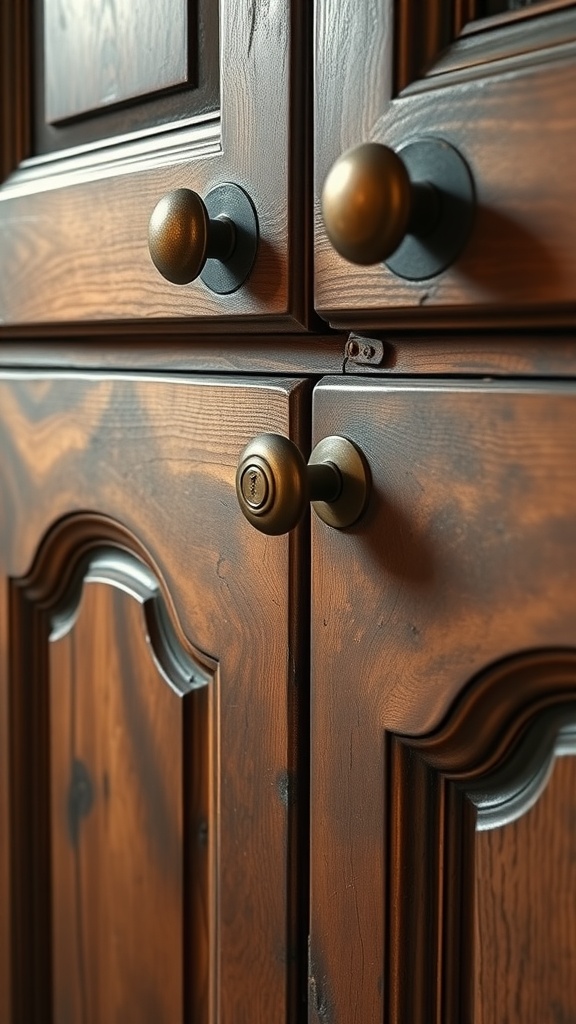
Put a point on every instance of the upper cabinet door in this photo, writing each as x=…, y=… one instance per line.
x=106, y=108
x=493, y=80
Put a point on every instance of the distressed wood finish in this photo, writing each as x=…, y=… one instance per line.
x=154, y=460
x=512, y=116
x=465, y=556
x=74, y=231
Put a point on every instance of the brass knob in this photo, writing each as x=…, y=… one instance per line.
x=181, y=236
x=369, y=204
x=274, y=484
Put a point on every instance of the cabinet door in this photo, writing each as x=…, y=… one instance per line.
x=149, y=662
x=443, y=709
x=496, y=80
x=107, y=107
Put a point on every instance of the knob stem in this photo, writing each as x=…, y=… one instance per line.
x=424, y=208
x=324, y=482
x=221, y=239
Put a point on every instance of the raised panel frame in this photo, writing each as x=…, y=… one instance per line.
x=74, y=226
x=504, y=98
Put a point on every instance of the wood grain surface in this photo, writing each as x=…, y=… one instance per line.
x=197, y=48
x=97, y=53
x=147, y=465
x=122, y=823
x=525, y=910
x=465, y=556
x=512, y=120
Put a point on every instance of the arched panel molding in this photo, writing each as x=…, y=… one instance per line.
x=109, y=701
x=484, y=768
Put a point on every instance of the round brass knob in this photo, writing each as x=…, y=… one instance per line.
x=274, y=484
x=215, y=239
x=369, y=203
x=411, y=209
x=181, y=236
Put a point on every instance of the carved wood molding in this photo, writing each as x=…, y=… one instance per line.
x=44, y=604
x=431, y=818
x=67, y=548
x=454, y=36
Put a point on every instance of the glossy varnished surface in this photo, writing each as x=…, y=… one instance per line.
x=465, y=556
x=146, y=465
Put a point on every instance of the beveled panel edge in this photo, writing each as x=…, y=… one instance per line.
x=455, y=46
x=190, y=140
x=511, y=17
x=550, y=37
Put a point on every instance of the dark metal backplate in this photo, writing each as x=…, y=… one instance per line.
x=229, y=200
x=436, y=162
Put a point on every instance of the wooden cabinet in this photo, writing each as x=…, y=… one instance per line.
x=325, y=776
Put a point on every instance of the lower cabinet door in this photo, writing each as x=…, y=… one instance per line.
x=148, y=667
x=443, y=875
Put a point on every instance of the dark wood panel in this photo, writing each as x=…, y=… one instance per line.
x=97, y=54
x=466, y=555
x=156, y=103
x=155, y=458
x=525, y=920
x=121, y=820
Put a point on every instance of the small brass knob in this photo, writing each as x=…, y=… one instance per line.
x=274, y=484
x=181, y=236
x=369, y=204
